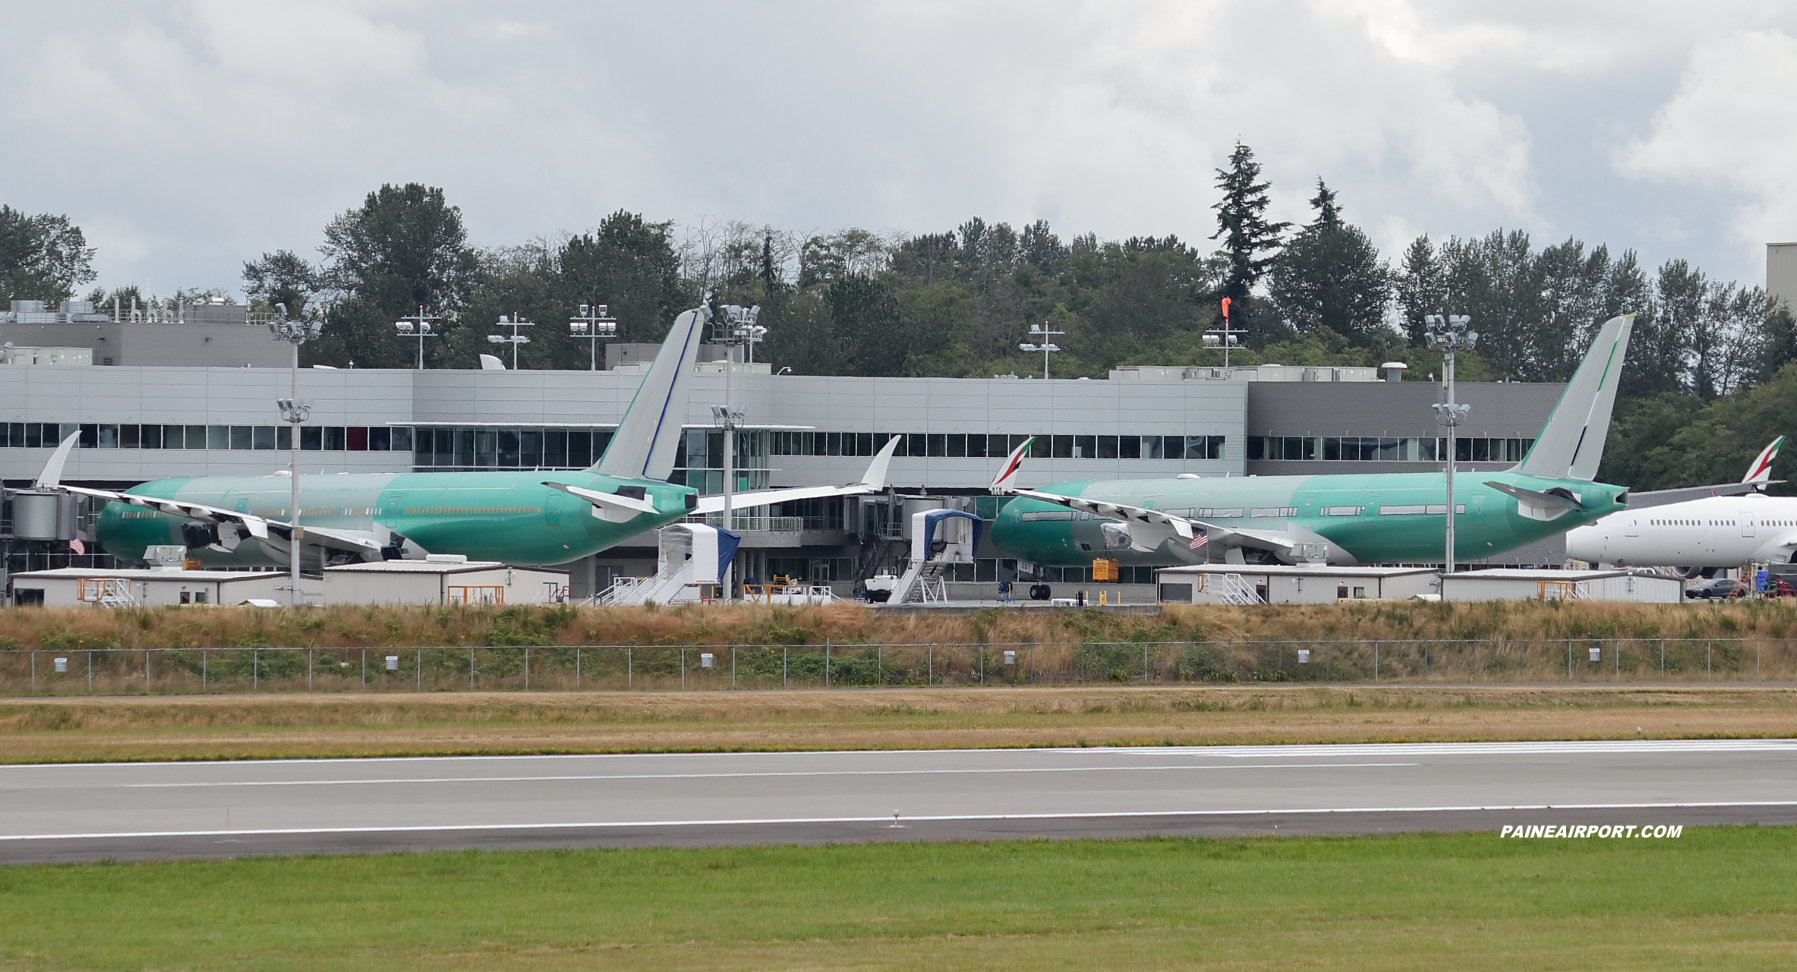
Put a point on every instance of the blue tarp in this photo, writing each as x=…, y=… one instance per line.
x=727, y=544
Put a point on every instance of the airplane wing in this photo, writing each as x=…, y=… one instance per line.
x=872, y=481
x=1185, y=528
x=1149, y=529
x=352, y=541
x=1759, y=476
x=1663, y=497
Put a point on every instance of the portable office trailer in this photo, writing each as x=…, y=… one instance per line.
x=1283, y=584
x=1548, y=585
x=443, y=582
x=75, y=586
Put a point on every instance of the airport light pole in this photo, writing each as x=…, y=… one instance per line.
x=294, y=411
x=1041, y=332
x=515, y=322
x=1449, y=333
x=593, y=324
x=417, y=326
x=736, y=328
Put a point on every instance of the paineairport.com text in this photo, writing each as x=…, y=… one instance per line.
x=1587, y=831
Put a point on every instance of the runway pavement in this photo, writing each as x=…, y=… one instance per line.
x=225, y=809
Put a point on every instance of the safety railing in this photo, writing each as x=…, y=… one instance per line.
x=114, y=671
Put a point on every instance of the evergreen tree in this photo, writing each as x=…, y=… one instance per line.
x=1249, y=239
x=1421, y=286
x=1330, y=277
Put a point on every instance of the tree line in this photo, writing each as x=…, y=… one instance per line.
x=1707, y=378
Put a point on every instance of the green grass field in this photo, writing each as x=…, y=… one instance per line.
x=1720, y=898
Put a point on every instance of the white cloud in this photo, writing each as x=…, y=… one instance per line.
x=1731, y=125
x=187, y=137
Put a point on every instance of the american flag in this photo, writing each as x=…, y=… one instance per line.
x=76, y=546
x=1199, y=539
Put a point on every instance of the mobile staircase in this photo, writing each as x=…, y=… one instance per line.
x=694, y=559
x=939, y=538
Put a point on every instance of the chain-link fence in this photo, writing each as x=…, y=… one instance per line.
x=113, y=671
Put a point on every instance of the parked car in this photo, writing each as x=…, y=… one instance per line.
x=1717, y=587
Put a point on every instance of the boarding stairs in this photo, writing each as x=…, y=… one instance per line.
x=1233, y=589
x=921, y=583
x=663, y=588
x=108, y=592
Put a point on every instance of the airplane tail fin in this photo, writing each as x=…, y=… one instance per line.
x=1571, y=444
x=1760, y=473
x=647, y=436
x=1006, y=480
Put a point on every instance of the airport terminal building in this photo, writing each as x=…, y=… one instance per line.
x=140, y=422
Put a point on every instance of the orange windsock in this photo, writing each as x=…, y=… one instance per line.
x=1226, y=308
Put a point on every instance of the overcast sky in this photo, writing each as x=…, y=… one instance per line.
x=185, y=138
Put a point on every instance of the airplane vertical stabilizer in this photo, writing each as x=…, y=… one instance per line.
x=1571, y=444
x=649, y=433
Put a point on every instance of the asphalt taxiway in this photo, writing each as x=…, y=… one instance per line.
x=166, y=810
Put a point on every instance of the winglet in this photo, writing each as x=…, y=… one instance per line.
x=875, y=479
x=1760, y=473
x=1004, y=482
x=51, y=477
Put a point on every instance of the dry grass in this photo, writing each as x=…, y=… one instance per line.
x=460, y=648
x=345, y=627
x=317, y=726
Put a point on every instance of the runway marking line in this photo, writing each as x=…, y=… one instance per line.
x=886, y=819
x=1619, y=746
x=726, y=776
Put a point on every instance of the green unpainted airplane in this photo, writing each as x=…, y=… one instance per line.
x=521, y=517
x=1351, y=519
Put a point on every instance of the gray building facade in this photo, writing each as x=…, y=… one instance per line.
x=139, y=423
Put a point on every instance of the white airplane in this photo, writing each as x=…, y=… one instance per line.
x=1699, y=535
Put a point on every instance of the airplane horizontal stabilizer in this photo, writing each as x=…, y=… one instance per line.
x=1537, y=505
x=611, y=507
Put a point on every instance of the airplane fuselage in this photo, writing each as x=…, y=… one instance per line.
x=1355, y=519
x=504, y=516
x=1720, y=531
